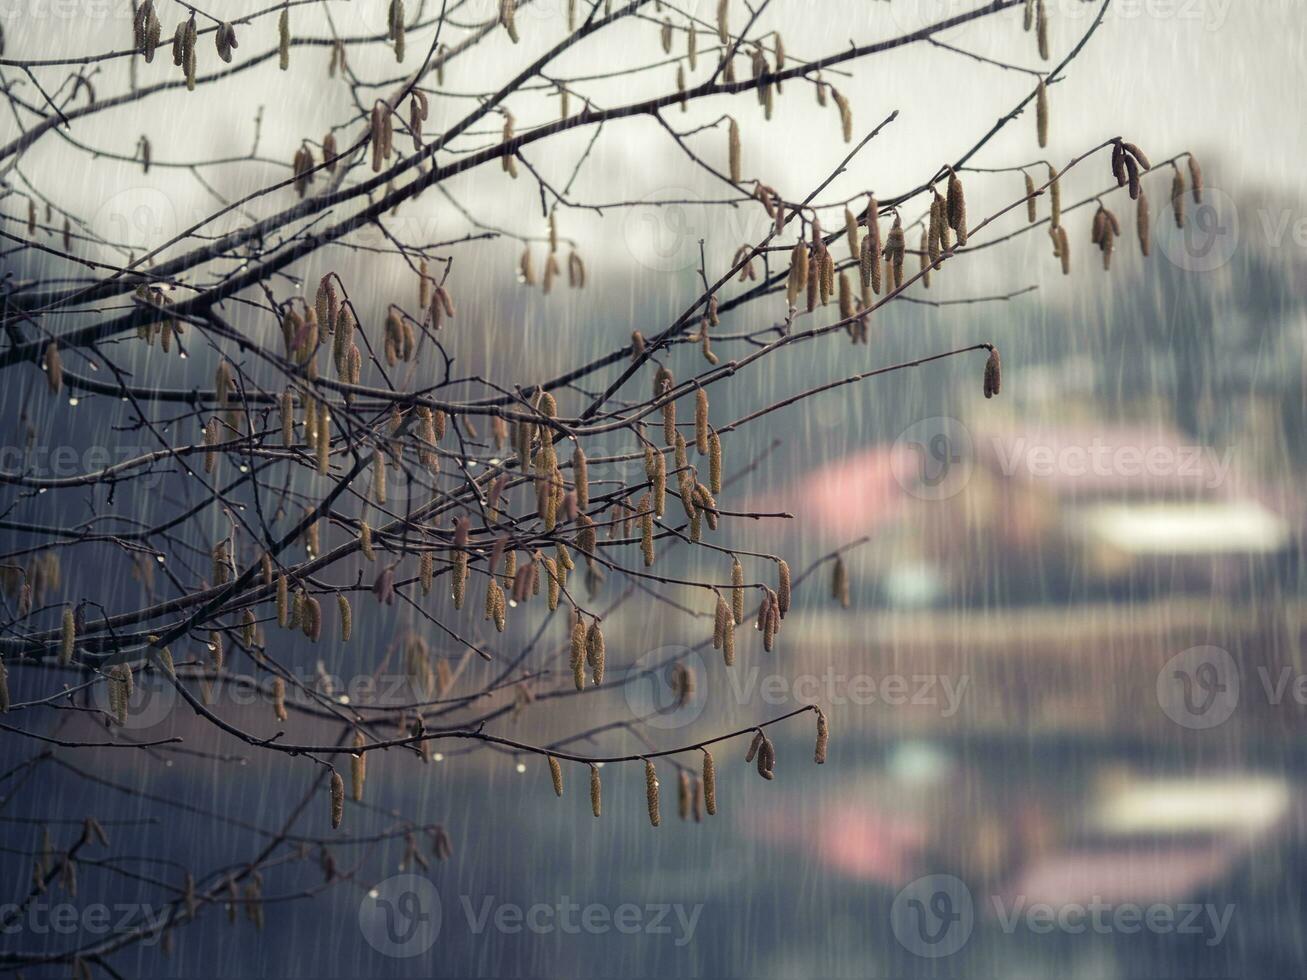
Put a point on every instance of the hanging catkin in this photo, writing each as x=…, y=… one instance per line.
x=54, y=371
x=1177, y=196
x=1030, y=198
x=120, y=691
x=851, y=233
x=188, y=53
x=507, y=9
x=337, y=799
x=358, y=769
x=709, y=783
x=577, y=662
x=346, y=617
x=733, y=146
x=956, y=206
x=68, y=637
x=581, y=476
x=895, y=250
x=823, y=738
x=701, y=422
x=283, y=601
x=596, y=792
x=651, y=791
x=594, y=652
x=737, y=590
x=1054, y=197
x=279, y=699
x=1041, y=113
x=556, y=775
x=645, y=507
x=993, y=374
x=1041, y=29
x=1142, y=223
x=846, y=114
x=1196, y=178
x=395, y=23
x=283, y=45
x=840, y=583
x=715, y=462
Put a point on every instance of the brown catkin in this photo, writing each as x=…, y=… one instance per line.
x=783, y=586
x=578, y=654
x=507, y=9
x=68, y=638
x=1142, y=223
x=358, y=769
x=715, y=462
x=823, y=738
x=556, y=775
x=701, y=422
x=54, y=372
x=1041, y=113
x=279, y=698
x=1177, y=197
x=651, y=792
x=595, y=653
x=733, y=146
x=283, y=601
x=993, y=374
x=1030, y=199
x=596, y=791
x=840, y=583
x=313, y=626
x=709, y=783
x=1054, y=197
x=426, y=571
x=1041, y=29
x=346, y=617
x=581, y=476
x=659, y=484
x=645, y=508
x=956, y=206
x=737, y=590
x=1196, y=178
x=283, y=45
x=337, y=799
x=216, y=649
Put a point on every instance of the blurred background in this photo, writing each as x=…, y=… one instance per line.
x=1067, y=697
